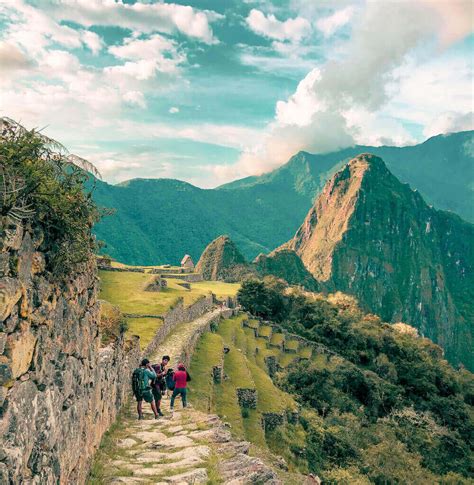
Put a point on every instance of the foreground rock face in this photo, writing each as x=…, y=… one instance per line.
x=59, y=390
x=372, y=236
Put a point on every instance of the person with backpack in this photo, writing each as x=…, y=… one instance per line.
x=158, y=386
x=170, y=384
x=181, y=377
x=141, y=378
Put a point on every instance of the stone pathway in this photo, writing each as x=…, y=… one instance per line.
x=189, y=447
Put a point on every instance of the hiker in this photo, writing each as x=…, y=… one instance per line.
x=158, y=386
x=141, y=378
x=170, y=384
x=181, y=377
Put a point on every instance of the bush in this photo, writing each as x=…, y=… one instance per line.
x=44, y=186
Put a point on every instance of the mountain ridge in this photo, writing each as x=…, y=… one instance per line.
x=372, y=236
x=261, y=213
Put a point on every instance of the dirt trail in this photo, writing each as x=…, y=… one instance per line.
x=189, y=447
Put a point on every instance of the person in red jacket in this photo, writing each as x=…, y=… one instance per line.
x=181, y=377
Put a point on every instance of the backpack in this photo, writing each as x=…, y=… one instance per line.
x=139, y=381
x=170, y=384
x=188, y=377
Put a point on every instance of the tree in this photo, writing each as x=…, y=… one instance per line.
x=253, y=297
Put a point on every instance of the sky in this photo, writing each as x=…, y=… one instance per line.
x=208, y=91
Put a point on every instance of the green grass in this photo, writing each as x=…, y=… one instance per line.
x=127, y=291
x=305, y=352
x=208, y=353
x=265, y=331
x=285, y=359
x=277, y=338
x=145, y=328
x=253, y=324
x=292, y=344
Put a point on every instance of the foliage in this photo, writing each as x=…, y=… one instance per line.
x=44, y=186
x=261, y=213
x=112, y=323
x=384, y=404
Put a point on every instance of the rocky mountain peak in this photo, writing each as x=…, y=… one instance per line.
x=374, y=237
x=219, y=257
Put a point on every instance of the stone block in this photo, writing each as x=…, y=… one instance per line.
x=19, y=349
x=272, y=365
x=217, y=374
x=270, y=421
x=247, y=397
x=4, y=264
x=10, y=293
x=3, y=341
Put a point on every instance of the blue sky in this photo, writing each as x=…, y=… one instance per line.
x=211, y=90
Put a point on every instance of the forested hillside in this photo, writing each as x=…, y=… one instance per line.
x=159, y=220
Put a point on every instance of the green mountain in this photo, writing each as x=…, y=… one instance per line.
x=221, y=260
x=374, y=237
x=159, y=220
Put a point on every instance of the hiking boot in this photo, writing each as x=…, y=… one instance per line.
x=157, y=416
x=160, y=413
x=140, y=417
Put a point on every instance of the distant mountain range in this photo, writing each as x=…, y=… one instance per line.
x=159, y=220
x=371, y=236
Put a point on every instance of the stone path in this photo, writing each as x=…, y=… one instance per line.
x=189, y=447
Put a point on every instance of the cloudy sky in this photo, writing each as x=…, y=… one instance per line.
x=211, y=90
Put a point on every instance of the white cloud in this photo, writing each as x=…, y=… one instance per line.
x=143, y=17
x=173, y=110
x=135, y=98
x=293, y=30
x=354, y=99
x=93, y=41
x=450, y=122
x=329, y=25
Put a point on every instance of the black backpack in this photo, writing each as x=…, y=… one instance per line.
x=139, y=383
x=170, y=384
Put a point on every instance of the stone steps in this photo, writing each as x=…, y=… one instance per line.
x=188, y=446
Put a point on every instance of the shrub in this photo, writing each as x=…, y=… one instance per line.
x=43, y=185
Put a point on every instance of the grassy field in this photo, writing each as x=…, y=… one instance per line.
x=144, y=327
x=244, y=366
x=126, y=290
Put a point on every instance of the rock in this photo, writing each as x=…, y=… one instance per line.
x=4, y=264
x=199, y=475
x=150, y=436
x=176, y=442
x=252, y=469
x=3, y=341
x=10, y=293
x=5, y=371
x=19, y=349
x=126, y=443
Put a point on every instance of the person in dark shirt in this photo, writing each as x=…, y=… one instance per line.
x=181, y=377
x=159, y=385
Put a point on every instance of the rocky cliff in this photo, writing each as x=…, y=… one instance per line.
x=286, y=264
x=221, y=260
x=372, y=236
x=59, y=389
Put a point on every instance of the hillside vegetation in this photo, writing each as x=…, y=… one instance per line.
x=164, y=219
x=381, y=405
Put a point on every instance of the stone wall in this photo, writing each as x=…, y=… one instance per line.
x=59, y=390
x=247, y=397
x=179, y=314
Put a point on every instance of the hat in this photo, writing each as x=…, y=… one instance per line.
x=181, y=366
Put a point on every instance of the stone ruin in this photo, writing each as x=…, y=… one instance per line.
x=272, y=365
x=157, y=284
x=247, y=397
x=270, y=421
